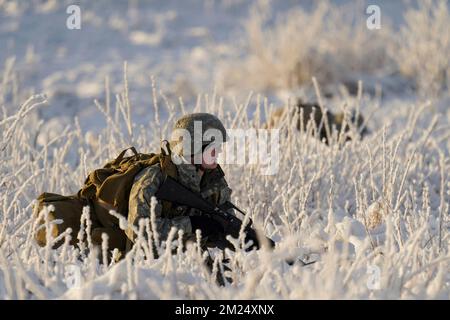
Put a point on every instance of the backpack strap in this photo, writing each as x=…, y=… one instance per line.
x=165, y=160
x=122, y=154
x=167, y=168
x=116, y=162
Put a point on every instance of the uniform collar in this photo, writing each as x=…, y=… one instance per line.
x=188, y=175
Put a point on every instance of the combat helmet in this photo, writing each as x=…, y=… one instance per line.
x=192, y=132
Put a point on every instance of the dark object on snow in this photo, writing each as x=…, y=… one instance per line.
x=332, y=122
x=323, y=127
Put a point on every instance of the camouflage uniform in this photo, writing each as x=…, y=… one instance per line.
x=211, y=185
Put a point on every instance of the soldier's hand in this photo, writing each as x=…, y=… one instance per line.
x=208, y=226
x=229, y=228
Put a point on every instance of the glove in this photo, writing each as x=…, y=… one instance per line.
x=208, y=226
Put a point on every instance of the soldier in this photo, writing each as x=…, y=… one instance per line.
x=312, y=111
x=196, y=169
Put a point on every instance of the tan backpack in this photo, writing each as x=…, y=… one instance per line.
x=105, y=189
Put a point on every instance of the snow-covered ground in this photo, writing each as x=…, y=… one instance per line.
x=373, y=213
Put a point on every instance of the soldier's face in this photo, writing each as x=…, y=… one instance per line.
x=210, y=155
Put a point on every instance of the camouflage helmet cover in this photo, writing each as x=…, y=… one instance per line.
x=203, y=129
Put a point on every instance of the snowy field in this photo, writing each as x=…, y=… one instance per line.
x=373, y=213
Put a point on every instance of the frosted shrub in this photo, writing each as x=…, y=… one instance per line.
x=330, y=42
x=423, y=46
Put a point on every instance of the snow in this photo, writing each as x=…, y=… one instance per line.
x=377, y=204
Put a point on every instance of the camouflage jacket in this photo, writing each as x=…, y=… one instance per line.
x=211, y=186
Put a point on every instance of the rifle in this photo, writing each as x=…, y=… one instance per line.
x=173, y=191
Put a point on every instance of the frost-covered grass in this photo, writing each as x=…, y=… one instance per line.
x=374, y=214
x=332, y=43
x=378, y=203
x=422, y=50
x=329, y=42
